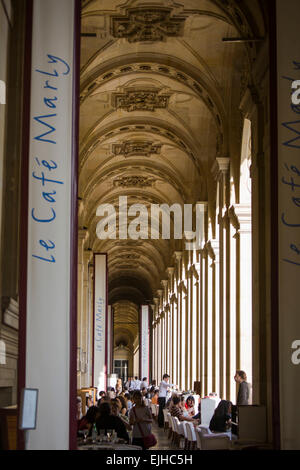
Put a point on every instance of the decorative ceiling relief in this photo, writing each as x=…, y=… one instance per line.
x=134, y=181
x=129, y=256
x=131, y=148
x=147, y=24
x=140, y=100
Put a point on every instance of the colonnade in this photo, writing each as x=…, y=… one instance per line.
x=85, y=312
x=202, y=321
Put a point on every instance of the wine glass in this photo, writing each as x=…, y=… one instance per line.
x=85, y=434
x=102, y=434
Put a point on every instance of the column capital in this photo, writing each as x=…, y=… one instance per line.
x=244, y=216
x=164, y=283
x=178, y=255
x=183, y=287
x=87, y=255
x=220, y=167
x=160, y=293
x=203, y=205
x=195, y=272
x=215, y=245
x=233, y=218
x=170, y=271
x=210, y=251
x=82, y=234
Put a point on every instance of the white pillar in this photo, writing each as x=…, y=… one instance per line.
x=243, y=213
x=82, y=234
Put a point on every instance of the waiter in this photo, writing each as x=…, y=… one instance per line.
x=162, y=394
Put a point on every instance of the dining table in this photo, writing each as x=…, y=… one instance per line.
x=118, y=444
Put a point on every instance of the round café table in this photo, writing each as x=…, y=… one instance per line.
x=106, y=446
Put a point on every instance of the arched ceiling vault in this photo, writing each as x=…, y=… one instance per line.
x=159, y=88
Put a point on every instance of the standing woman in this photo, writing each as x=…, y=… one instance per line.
x=119, y=386
x=141, y=420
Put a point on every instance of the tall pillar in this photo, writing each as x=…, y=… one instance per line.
x=90, y=325
x=165, y=283
x=220, y=172
x=156, y=302
x=82, y=234
x=171, y=338
x=216, y=317
x=189, y=325
x=244, y=321
x=87, y=255
x=233, y=300
x=161, y=333
x=206, y=344
x=212, y=346
x=198, y=321
x=202, y=322
x=178, y=257
x=194, y=326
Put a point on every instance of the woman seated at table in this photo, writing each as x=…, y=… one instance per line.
x=89, y=419
x=128, y=402
x=190, y=405
x=154, y=399
x=177, y=411
x=116, y=407
x=221, y=420
x=182, y=406
x=123, y=405
x=107, y=420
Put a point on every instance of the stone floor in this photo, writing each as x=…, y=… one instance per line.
x=163, y=443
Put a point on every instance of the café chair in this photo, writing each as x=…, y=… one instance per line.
x=207, y=440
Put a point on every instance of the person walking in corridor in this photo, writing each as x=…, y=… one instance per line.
x=162, y=394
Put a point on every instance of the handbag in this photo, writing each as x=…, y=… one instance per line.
x=150, y=440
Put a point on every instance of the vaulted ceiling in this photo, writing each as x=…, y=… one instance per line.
x=160, y=93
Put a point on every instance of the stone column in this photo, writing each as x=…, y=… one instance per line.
x=90, y=324
x=156, y=302
x=244, y=295
x=161, y=333
x=211, y=319
x=234, y=334
x=209, y=345
x=194, y=325
x=202, y=320
x=220, y=172
x=216, y=317
x=85, y=327
x=178, y=257
x=165, y=283
x=198, y=317
x=82, y=234
x=171, y=338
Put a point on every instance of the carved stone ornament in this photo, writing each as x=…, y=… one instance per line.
x=130, y=256
x=131, y=148
x=134, y=181
x=140, y=100
x=147, y=24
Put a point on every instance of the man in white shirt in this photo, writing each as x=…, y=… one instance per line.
x=144, y=383
x=162, y=394
x=137, y=383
